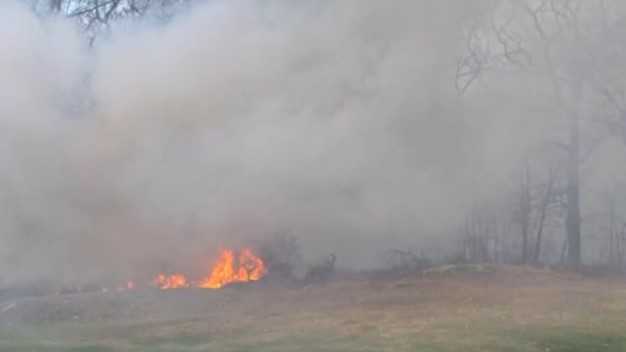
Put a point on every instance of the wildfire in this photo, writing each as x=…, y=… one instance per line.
x=228, y=269
x=165, y=282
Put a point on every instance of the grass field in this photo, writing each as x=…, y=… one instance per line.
x=504, y=309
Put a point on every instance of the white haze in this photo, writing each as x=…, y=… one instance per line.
x=337, y=122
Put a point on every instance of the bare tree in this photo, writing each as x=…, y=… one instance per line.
x=549, y=39
x=481, y=232
x=96, y=16
x=615, y=227
x=547, y=200
x=525, y=208
x=532, y=199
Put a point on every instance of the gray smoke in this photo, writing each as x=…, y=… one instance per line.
x=337, y=122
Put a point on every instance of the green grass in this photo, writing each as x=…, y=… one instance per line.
x=481, y=338
x=36, y=347
x=569, y=340
x=537, y=340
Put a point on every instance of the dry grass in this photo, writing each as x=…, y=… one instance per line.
x=506, y=309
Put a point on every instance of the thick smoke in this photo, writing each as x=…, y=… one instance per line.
x=335, y=122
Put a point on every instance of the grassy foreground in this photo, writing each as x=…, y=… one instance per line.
x=505, y=309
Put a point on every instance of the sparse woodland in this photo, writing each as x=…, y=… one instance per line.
x=572, y=47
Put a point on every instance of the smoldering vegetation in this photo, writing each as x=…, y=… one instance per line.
x=137, y=139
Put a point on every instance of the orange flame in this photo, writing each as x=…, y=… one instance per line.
x=165, y=282
x=225, y=271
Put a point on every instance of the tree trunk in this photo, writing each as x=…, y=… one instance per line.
x=619, y=251
x=613, y=237
x=573, y=198
x=525, y=209
x=542, y=217
x=563, y=251
x=524, y=243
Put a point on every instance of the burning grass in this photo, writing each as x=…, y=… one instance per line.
x=227, y=269
x=501, y=309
